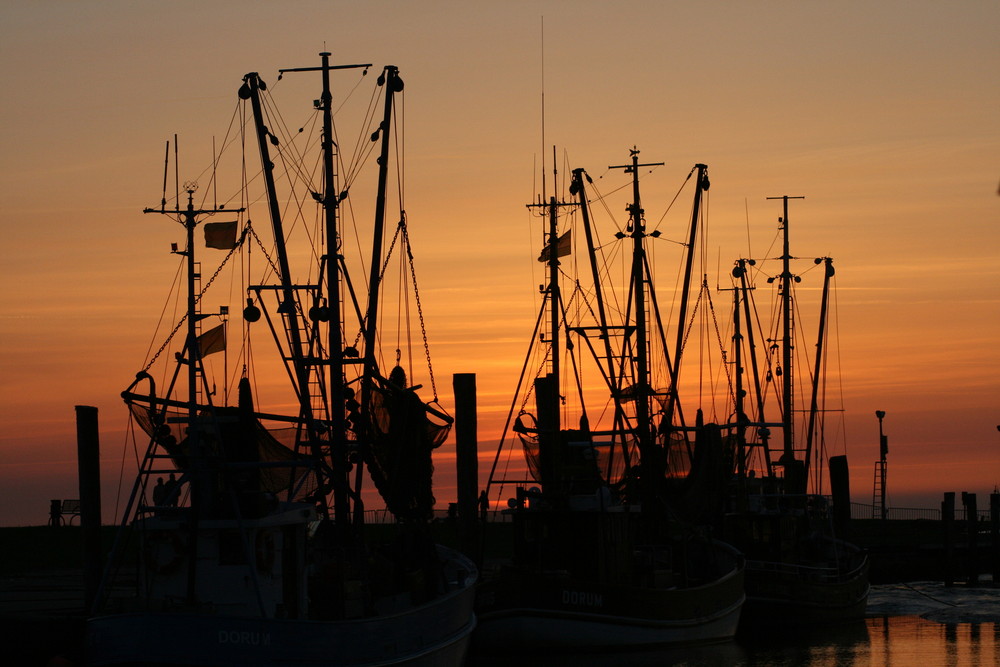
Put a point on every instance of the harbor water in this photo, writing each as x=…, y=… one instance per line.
x=923, y=624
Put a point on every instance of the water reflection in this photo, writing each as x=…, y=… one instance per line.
x=882, y=641
x=911, y=640
x=841, y=645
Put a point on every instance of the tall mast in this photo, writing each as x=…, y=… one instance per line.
x=393, y=84
x=555, y=296
x=335, y=344
x=252, y=85
x=820, y=337
x=744, y=288
x=201, y=482
x=644, y=430
x=701, y=184
x=741, y=419
x=787, y=343
x=330, y=201
x=550, y=255
x=577, y=187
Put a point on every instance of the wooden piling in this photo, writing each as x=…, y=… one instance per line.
x=948, y=523
x=972, y=537
x=88, y=452
x=995, y=537
x=840, y=488
x=466, y=457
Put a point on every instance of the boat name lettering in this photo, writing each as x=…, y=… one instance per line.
x=583, y=598
x=244, y=637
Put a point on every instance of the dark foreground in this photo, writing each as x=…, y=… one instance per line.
x=41, y=603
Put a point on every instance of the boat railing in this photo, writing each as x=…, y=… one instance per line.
x=765, y=503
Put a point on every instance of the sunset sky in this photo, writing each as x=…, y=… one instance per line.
x=885, y=116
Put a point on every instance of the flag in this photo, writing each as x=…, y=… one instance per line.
x=212, y=341
x=562, y=247
x=220, y=235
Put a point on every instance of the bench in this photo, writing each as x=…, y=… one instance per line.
x=60, y=508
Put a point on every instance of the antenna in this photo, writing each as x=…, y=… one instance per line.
x=746, y=212
x=555, y=173
x=177, y=177
x=544, y=197
x=215, y=181
x=166, y=167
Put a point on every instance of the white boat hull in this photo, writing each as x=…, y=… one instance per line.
x=540, y=630
x=519, y=612
x=435, y=633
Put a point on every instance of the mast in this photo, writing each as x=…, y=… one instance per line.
x=393, y=84
x=201, y=481
x=550, y=255
x=741, y=419
x=335, y=344
x=744, y=289
x=820, y=337
x=252, y=85
x=644, y=431
x=577, y=187
x=701, y=183
x=547, y=387
x=555, y=296
x=613, y=377
x=787, y=343
x=334, y=360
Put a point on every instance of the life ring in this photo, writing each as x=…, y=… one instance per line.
x=164, y=553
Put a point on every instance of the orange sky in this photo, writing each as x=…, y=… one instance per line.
x=884, y=116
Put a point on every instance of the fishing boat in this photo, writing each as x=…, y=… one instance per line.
x=600, y=558
x=258, y=548
x=800, y=569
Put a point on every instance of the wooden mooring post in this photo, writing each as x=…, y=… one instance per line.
x=467, y=460
x=971, y=537
x=995, y=537
x=948, y=523
x=89, y=468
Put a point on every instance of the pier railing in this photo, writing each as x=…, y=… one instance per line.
x=866, y=511
x=858, y=511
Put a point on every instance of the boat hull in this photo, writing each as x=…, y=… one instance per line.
x=782, y=596
x=524, y=612
x=435, y=633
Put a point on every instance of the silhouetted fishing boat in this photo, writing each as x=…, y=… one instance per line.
x=799, y=569
x=600, y=558
x=258, y=552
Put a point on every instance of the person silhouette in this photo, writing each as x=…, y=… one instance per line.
x=171, y=492
x=159, y=493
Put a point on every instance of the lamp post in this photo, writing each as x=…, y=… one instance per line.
x=883, y=450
